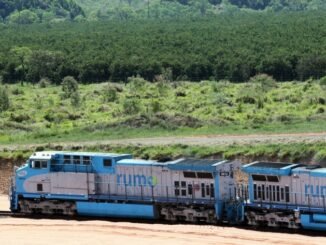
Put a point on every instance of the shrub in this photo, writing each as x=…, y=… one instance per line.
x=4, y=99
x=110, y=94
x=155, y=106
x=322, y=82
x=136, y=84
x=131, y=106
x=17, y=91
x=69, y=86
x=44, y=82
x=19, y=118
x=266, y=82
x=75, y=99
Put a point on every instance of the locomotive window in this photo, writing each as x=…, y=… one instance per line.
x=207, y=190
x=76, y=159
x=176, y=184
x=267, y=197
x=282, y=193
x=189, y=174
x=270, y=193
x=272, y=178
x=263, y=192
x=184, y=192
x=274, y=193
x=107, y=162
x=66, y=159
x=204, y=175
x=287, y=194
x=37, y=164
x=177, y=192
x=183, y=184
x=39, y=187
x=189, y=189
x=203, y=190
x=44, y=164
x=278, y=193
x=86, y=160
x=255, y=191
x=259, y=192
x=256, y=177
x=212, y=190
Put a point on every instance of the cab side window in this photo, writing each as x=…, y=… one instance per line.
x=107, y=162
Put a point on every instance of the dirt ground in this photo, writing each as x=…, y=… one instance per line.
x=56, y=231
x=208, y=140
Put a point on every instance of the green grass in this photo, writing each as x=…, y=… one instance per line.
x=142, y=109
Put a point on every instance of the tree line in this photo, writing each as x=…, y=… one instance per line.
x=287, y=46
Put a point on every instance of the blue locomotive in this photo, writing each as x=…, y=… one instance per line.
x=115, y=185
x=192, y=190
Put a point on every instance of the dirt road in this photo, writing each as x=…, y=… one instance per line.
x=193, y=140
x=17, y=231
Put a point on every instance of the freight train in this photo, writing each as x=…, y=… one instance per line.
x=192, y=190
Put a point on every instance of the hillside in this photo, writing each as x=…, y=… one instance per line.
x=287, y=46
x=33, y=11
x=131, y=9
x=51, y=113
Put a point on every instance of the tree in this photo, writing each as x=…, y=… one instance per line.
x=22, y=54
x=69, y=86
x=312, y=66
x=4, y=99
x=23, y=17
x=43, y=63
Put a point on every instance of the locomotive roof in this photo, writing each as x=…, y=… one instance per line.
x=93, y=154
x=277, y=168
x=137, y=162
x=200, y=162
x=277, y=165
x=48, y=154
x=312, y=170
x=195, y=164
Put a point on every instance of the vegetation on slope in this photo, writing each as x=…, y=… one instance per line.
x=48, y=113
x=285, y=46
x=32, y=11
x=157, y=9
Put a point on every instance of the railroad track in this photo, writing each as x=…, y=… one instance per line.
x=5, y=213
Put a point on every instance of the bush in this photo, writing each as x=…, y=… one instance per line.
x=69, y=87
x=17, y=91
x=75, y=99
x=19, y=118
x=110, y=94
x=265, y=81
x=131, y=106
x=44, y=82
x=4, y=99
x=322, y=82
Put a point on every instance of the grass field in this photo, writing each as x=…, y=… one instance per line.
x=142, y=109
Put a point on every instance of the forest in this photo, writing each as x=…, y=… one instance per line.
x=286, y=46
x=32, y=11
x=53, y=11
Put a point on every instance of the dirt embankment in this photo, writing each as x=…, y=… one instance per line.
x=6, y=171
